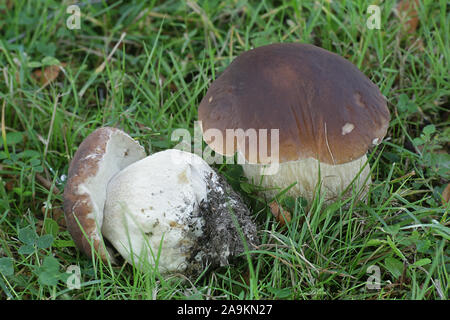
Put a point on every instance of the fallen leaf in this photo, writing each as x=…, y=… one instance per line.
x=407, y=12
x=49, y=74
x=446, y=195
x=281, y=215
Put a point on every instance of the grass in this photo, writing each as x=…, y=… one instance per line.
x=144, y=66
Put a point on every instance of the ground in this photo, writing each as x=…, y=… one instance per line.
x=144, y=66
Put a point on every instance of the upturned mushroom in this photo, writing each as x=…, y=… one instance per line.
x=328, y=114
x=170, y=209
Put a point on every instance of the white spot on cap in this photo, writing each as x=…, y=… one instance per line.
x=347, y=128
x=376, y=141
x=210, y=99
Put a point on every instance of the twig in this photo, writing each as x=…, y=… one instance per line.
x=47, y=184
x=103, y=65
x=100, y=68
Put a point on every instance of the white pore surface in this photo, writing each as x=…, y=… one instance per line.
x=150, y=205
x=335, y=178
x=121, y=150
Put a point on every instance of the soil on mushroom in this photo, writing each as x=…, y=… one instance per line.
x=228, y=222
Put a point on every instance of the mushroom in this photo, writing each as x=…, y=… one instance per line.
x=99, y=157
x=326, y=111
x=170, y=209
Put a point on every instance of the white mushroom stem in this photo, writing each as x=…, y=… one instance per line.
x=154, y=199
x=157, y=211
x=305, y=173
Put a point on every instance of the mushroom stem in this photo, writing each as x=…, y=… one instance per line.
x=306, y=175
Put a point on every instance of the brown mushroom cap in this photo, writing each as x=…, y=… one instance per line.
x=323, y=106
x=99, y=157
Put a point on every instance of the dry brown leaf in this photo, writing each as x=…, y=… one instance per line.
x=407, y=11
x=281, y=215
x=446, y=195
x=49, y=74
